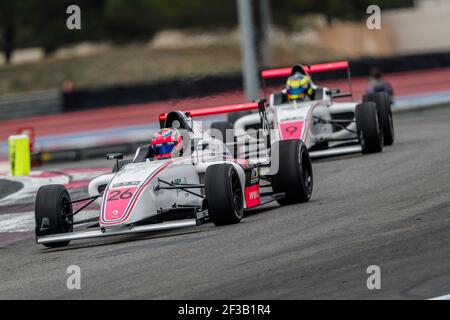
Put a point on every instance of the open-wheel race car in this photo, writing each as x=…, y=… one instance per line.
x=207, y=180
x=328, y=127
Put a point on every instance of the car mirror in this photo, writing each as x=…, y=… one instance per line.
x=112, y=156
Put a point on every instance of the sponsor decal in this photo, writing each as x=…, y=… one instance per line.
x=255, y=176
x=252, y=196
x=178, y=181
x=125, y=184
x=294, y=118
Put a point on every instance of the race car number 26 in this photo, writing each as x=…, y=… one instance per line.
x=120, y=195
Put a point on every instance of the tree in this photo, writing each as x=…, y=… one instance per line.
x=8, y=28
x=26, y=23
x=332, y=9
x=131, y=20
x=49, y=23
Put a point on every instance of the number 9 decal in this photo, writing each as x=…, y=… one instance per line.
x=291, y=130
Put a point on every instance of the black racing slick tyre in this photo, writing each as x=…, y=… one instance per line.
x=383, y=103
x=369, y=129
x=120, y=164
x=53, y=213
x=291, y=171
x=224, y=194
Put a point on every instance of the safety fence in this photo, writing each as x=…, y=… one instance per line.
x=30, y=104
x=52, y=102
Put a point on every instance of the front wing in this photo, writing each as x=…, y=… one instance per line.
x=117, y=232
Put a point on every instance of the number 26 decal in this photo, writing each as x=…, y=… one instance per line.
x=120, y=195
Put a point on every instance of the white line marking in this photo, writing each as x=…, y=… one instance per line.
x=30, y=186
x=17, y=222
x=32, y=183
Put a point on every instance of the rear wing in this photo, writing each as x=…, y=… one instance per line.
x=260, y=106
x=310, y=69
x=315, y=68
x=217, y=110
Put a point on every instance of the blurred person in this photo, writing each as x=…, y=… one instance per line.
x=68, y=86
x=378, y=84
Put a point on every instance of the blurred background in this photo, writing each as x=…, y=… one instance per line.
x=104, y=85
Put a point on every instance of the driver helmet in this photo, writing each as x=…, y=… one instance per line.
x=167, y=143
x=298, y=87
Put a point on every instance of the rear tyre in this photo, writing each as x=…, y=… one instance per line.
x=383, y=103
x=369, y=129
x=224, y=194
x=53, y=213
x=121, y=163
x=292, y=171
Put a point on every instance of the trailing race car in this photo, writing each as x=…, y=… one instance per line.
x=183, y=178
x=311, y=113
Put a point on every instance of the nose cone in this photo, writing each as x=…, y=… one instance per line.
x=124, y=192
x=117, y=203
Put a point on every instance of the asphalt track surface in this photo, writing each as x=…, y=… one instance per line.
x=390, y=209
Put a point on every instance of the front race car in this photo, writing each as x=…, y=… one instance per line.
x=206, y=182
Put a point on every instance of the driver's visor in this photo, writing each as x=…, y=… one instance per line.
x=296, y=91
x=163, y=148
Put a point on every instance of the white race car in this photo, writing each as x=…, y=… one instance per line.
x=207, y=182
x=327, y=127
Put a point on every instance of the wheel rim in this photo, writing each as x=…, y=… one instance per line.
x=307, y=178
x=305, y=164
x=361, y=140
x=66, y=214
x=236, y=191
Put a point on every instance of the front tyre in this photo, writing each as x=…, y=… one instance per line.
x=291, y=171
x=224, y=194
x=53, y=213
